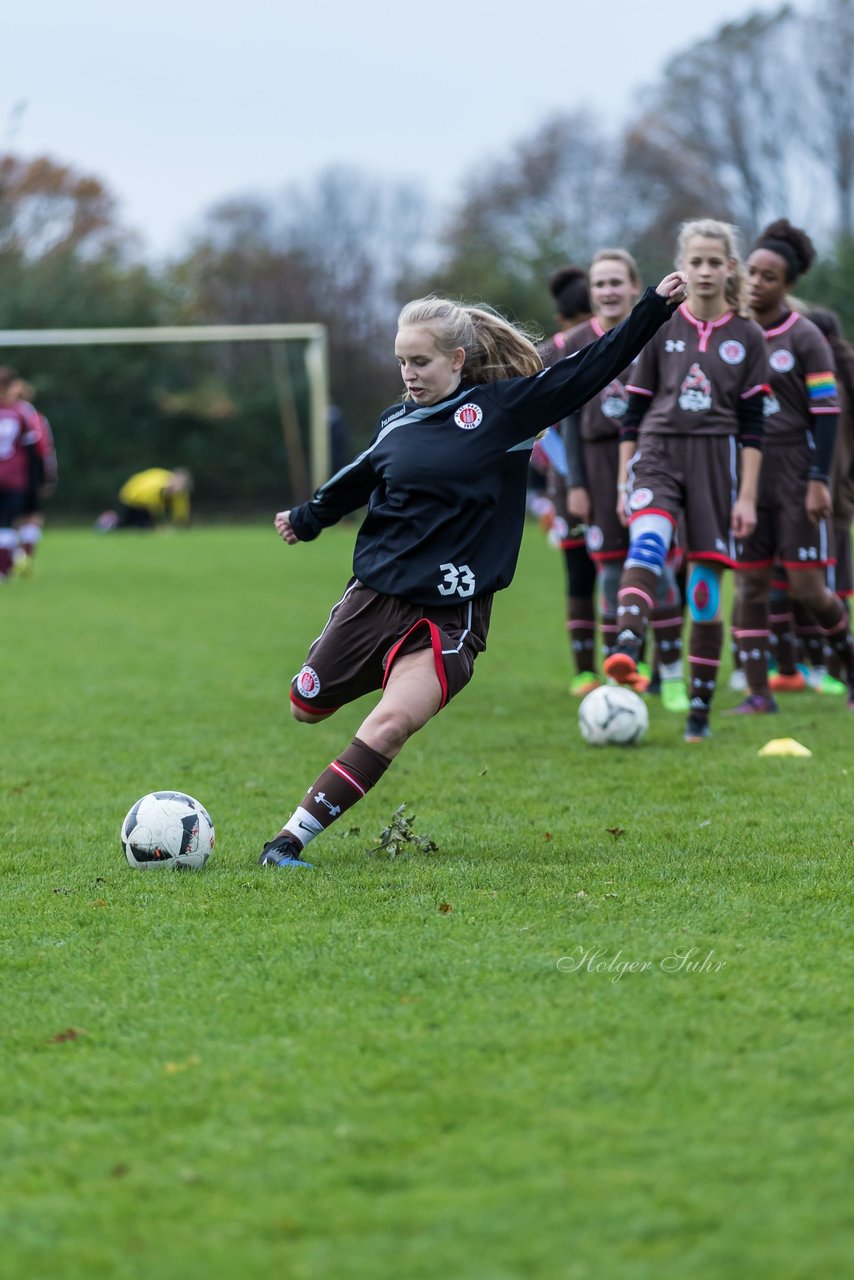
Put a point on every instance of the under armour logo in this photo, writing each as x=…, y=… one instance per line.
x=334, y=809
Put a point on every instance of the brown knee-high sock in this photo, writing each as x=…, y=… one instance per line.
x=608, y=632
x=704, y=659
x=635, y=602
x=809, y=633
x=782, y=638
x=833, y=660
x=581, y=627
x=666, y=626
x=341, y=785
x=734, y=625
x=752, y=636
x=832, y=616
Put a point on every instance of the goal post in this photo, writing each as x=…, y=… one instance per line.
x=313, y=336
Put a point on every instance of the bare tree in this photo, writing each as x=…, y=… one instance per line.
x=553, y=199
x=830, y=43
x=662, y=185
x=731, y=103
x=330, y=252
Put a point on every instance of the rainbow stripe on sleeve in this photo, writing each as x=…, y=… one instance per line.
x=821, y=385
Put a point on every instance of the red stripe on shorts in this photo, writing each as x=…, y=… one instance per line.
x=312, y=711
x=435, y=644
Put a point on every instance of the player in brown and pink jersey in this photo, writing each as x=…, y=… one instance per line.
x=793, y=629
x=842, y=468
x=695, y=398
x=17, y=463
x=794, y=506
x=592, y=445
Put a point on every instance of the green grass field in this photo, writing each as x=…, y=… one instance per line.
x=411, y=1068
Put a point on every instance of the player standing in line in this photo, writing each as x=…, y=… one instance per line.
x=17, y=464
x=43, y=479
x=801, y=411
x=592, y=444
x=444, y=479
x=842, y=468
x=696, y=394
x=569, y=289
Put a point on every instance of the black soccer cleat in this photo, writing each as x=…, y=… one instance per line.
x=284, y=851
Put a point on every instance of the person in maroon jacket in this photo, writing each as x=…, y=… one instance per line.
x=17, y=465
x=445, y=480
x=43, y=480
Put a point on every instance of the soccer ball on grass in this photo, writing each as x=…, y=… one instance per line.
x=613, y=716
x=167, y=829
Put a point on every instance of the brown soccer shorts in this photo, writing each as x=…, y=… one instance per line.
x=365, y=634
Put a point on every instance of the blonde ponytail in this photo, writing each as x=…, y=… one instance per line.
x=494, y=347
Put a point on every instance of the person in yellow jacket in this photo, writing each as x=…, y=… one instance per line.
x=150, y=498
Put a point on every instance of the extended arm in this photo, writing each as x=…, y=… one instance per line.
x=349, y=489
x=566, y=386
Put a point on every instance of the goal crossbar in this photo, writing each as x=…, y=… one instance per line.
x=313, y=335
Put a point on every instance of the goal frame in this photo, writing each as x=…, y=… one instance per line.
x=315, y=358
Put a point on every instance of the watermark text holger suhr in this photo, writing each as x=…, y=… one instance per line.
x=598, y=960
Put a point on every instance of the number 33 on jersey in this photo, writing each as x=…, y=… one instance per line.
x=457, y=578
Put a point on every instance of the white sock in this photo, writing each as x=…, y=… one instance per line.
x=303, y=826
x=30, y=534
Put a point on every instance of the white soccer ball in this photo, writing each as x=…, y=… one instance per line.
x=613, y=716
x=167, y=829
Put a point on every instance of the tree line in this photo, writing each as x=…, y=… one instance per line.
x=754, y=122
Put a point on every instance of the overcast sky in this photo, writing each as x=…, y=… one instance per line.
x=175, y=106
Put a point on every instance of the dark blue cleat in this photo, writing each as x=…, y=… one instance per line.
x=283, y=852
x=697, y=729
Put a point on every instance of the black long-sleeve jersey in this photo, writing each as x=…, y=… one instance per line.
x=445, y=483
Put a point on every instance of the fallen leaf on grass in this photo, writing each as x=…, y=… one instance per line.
x=547, y=835
x=99, y=902
x=172, y=1068
x=70, y=1033
x=119, y=1171
x=616, y=831
x=398, y=838
x=445, y=907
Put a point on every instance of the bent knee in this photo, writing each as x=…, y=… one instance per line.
x=809, y=589
x=752, y=588
x=309, y=717
x=704, y=593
